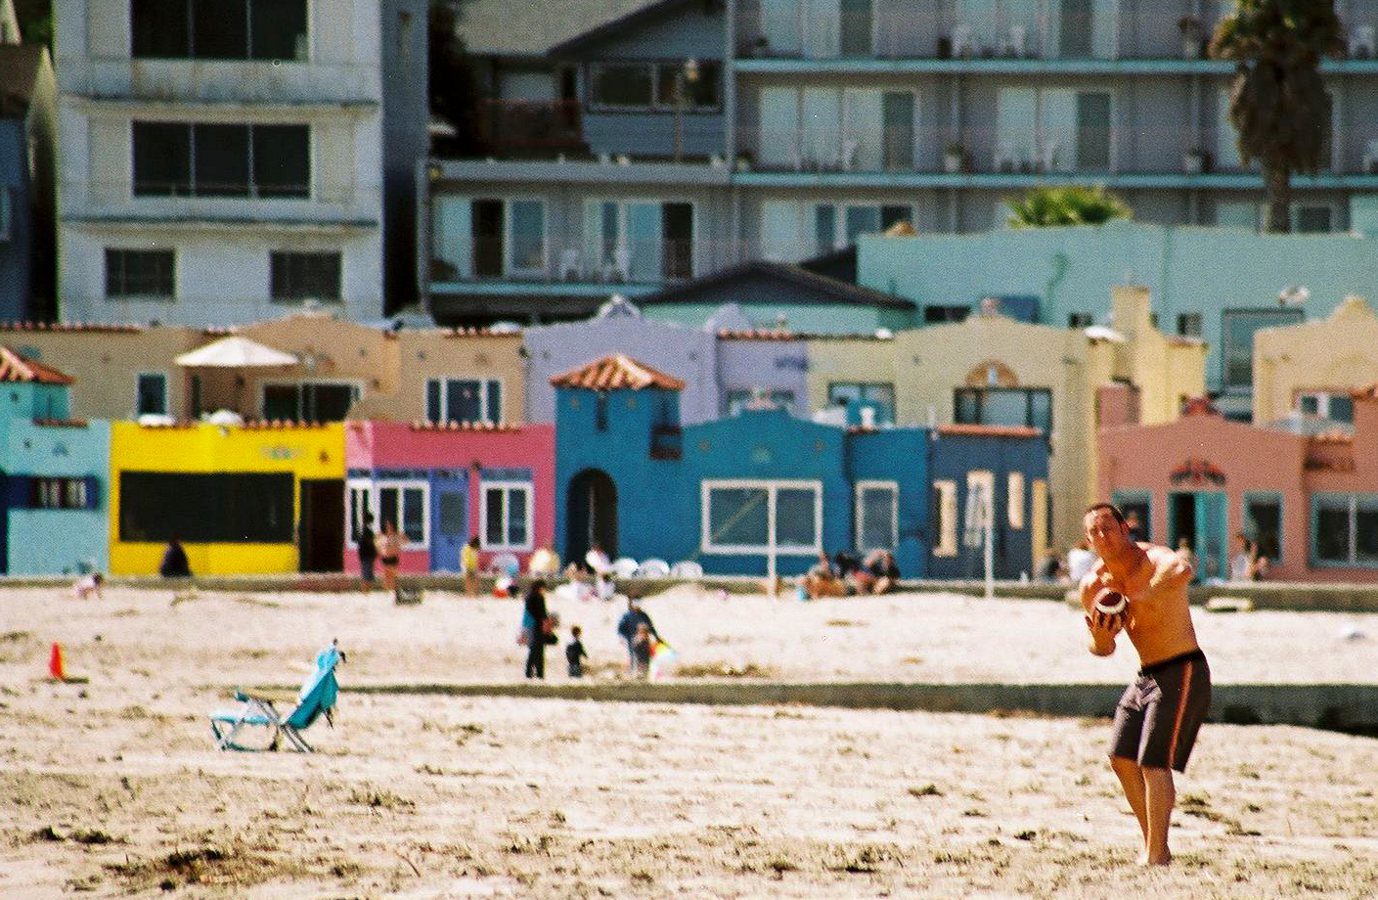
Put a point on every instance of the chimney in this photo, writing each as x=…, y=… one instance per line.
x=1130, y=306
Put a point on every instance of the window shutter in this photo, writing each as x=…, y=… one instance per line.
x=433, y=400
x=494, y=401
x=92, y=492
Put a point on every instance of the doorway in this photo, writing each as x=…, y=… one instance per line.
x=320, y=535
x=1199, y=516
x=591, y=515
x=451, y=524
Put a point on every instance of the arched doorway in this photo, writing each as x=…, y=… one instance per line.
x=590, y=514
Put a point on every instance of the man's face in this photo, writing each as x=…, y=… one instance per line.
x=1107, y=535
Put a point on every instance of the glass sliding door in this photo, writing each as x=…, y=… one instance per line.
x=780, y=25
x=863, y=128
x=643, y=241
x=1093, y=131
x=822, y=126
x=856, y=28
x=898, y=130
x=779, y=139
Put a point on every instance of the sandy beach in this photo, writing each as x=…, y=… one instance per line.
x=113, y=787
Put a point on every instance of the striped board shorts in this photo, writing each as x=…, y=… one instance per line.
x=1161, y=711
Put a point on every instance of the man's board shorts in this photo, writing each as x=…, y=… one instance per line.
x=1160, y=713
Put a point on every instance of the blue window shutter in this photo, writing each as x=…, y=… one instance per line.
x=92, y=492
x=495, y=401
x=20, y=494
x=433, y=400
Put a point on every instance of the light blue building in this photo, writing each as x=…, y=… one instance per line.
x=55, y=474
x=733, y=492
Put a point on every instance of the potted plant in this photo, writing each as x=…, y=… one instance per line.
x=954, y=157
x=1192, y=36
x=1195, y=161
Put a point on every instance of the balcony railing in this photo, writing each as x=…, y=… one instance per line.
x=535, y=259
x=532, y=125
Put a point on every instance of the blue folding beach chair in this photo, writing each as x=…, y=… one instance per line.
x=316, y=699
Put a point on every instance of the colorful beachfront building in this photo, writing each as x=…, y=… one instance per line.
x=443, y=484
x=243, y=499
x=1310, y=502
x=53, y=474
x=762, y=488
x=1303, y=374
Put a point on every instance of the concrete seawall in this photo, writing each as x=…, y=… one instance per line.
x=1339, y=707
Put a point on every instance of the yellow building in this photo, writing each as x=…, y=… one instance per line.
x=991, y=369
x=255, y=499
x=1308, y=370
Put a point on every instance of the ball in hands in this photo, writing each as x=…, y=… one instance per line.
x=1111, y=607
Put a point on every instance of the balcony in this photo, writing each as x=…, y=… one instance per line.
x=532, y=126
x=328, y=86
x=316, y=206
x=503, y=265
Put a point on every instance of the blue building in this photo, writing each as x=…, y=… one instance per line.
x=731, y=492
x=53, y=475
x=28, y=125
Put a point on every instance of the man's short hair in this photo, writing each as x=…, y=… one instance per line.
x=1114, y=511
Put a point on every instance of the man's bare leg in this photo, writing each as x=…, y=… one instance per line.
x=1161, y=794
x=1132, y=780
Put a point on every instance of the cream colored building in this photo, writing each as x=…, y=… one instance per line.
x=1307, y=370
x=840, y=366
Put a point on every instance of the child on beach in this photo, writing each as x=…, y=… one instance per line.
x=575, y=653
x=641, y=651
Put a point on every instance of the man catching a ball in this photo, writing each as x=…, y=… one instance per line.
x=1141, y=588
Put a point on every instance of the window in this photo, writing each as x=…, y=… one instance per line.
x=139, y=273
x=228, y=29
x=877, y=515
x=1032, y=407
x=649, y=85
x=1337, y=406
x=298, y=276
x=464, y=400
x=1079, y=320
x=360, y=499
x=746, y=516
x=404, y=505
x=738, y=399
x=1263, y=523
x=939, y=315
x=181, y=159
x=843, y=393
x=250, y=508
x=308, y=401
x=856, y=128
x=945, y=518
x=1014, y=501
x=639, y=240
x=151, y=394
x=506, y=515
x=1237, y=336
x=1053, y=130
x=1344, y=529
x=1311, y=218
x=1189, y=324
x=62, y=493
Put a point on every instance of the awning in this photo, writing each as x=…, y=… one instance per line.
x=235, y=352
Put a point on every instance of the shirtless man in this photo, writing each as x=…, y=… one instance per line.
x=1157, y=718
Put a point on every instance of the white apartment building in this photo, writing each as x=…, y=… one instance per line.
x=220, y=162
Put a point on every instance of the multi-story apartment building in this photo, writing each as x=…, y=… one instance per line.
x=798, y=124
x=222, y=162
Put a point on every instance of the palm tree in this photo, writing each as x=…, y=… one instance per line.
x=1279, y=104
x=1074, y=204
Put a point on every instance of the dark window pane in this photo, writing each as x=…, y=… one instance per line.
x=297, y=276
x=678, y=224
x=624, y=85
x=493, y=508
x=1332, y=530
x=1366, y=531
x=494, y=390
x=413, y=516
x=516, y=517
x=794, y=517
x=1263, y=523
x=139, y=273
x=705, y=93
x=488, y=237
x=152, y=395
x=738, y=516
x=222, y=160
x=281, y=403
x=966, y=407
x=162, y=158
x=278, y=29
x=1341, y=409
x=249, y=508
x=463, y=401
x=326, y=402
x=433, y=413
x=219, y=29
x=1237, y=332
x=282, y=160
x=1189, y=324
x=158, y=29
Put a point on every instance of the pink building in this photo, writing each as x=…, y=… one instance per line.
x=442, y=484
x=1309, y=501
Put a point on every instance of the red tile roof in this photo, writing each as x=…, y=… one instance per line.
x=14, y=367
x=1366, y=392
x=75, y=327
x=1019, y=431
x=759, y=334
x=477, y=427
x=613, y=373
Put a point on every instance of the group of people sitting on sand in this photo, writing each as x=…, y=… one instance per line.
x=846, y=575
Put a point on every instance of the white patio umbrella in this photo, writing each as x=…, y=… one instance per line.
x=235, y=352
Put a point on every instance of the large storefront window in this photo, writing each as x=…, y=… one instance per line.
x=1344, y=530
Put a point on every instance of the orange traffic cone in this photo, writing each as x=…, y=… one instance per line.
x=56, y=668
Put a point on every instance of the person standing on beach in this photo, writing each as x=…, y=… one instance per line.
x=468, y=565
x=368, y=553
x=390, y=554
x=627, y=626
x=1158, y=716
x=534, y=621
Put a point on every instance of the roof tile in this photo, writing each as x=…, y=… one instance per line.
x=613, y=373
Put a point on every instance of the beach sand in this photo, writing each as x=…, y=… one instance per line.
x=113, y=787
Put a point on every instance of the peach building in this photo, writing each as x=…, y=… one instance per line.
x=1309, y=502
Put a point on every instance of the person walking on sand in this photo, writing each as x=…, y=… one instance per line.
x=468, y=566
x=390, y=554
x=575, y=654
x=1157, y=718
x=627, y=626
x=534, y=623
x=368, y=553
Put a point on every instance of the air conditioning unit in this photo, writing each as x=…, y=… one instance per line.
x=1361, y=42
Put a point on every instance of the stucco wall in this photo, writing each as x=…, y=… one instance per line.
x=1335, y=354
x=60, y=541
